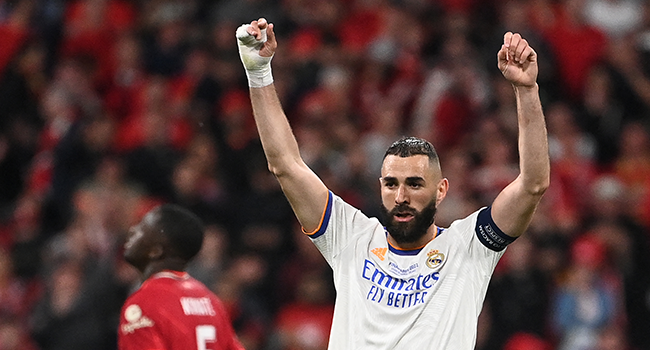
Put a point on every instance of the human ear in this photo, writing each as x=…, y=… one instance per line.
x=441, y=192
x=156, y=252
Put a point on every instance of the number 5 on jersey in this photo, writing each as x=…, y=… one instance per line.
x=205, y=334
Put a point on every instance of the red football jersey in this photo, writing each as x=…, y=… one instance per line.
x=172, y=310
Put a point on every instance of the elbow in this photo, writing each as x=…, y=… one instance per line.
x=538, y=188
x=287, y=168
x=275, y=170
x=538, y=191
x=281, y=168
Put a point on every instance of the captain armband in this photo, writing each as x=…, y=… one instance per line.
x=488, y=232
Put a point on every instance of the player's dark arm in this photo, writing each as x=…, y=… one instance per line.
x=514, y=207
x=305, y=191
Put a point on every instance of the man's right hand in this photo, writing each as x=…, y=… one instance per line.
x=257, y=46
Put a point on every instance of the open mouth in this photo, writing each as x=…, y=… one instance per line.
x=403, y=217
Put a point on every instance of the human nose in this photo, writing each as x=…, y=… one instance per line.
x=131, y=232
x=401, y=196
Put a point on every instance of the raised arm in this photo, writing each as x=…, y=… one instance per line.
x=514, y=207
x=305, y=191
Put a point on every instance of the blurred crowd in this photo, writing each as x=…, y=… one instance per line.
x=110, y=107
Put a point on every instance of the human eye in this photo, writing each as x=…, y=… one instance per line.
x=389, y=183
x=415, y=183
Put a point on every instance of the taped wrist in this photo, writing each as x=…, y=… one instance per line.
x=258, y=68
x=258, y=78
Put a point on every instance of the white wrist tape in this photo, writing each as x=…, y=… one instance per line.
x=258, y=68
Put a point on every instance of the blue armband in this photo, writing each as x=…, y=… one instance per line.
x=488, y=232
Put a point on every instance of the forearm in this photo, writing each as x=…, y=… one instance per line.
x=278, y=141
x=514, y=207
x=534, y=160
x=305, y=191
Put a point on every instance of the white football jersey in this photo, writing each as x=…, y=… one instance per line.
x=427, y=298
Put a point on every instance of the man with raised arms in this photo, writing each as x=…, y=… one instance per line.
x=409, y=284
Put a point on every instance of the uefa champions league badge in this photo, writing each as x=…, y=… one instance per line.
x=435, y=259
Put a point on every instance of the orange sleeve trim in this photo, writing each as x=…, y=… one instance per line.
x=324, y=216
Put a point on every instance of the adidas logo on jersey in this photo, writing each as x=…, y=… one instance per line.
x=380, y=253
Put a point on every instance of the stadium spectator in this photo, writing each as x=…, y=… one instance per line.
x=576, y=45
x=518, y=296
x=305, y=323
x=588, y=300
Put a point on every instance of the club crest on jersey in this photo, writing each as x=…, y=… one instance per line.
x=135, y=319
x=435, y=259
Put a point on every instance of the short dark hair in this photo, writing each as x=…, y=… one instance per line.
x=410, y=146
x=182, y=228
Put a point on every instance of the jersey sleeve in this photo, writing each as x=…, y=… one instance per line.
x=137, y=330
x=489, y=234
x=339, y=225
x=485, y=243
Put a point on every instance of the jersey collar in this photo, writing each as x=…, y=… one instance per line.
x=177, y=275
x=414, y=251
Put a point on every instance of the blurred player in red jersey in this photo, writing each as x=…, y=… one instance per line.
x=171, y=310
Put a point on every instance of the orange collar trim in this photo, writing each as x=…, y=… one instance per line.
x=437, y=230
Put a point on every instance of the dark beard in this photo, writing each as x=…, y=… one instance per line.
x=412, y=231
